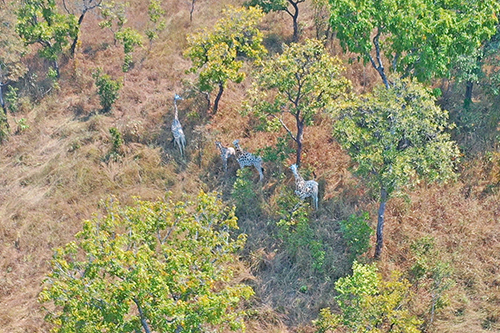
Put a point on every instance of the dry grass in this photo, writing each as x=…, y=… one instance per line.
x=54, y=174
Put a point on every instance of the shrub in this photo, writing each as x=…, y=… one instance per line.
x=356, y=232
x=107, y=88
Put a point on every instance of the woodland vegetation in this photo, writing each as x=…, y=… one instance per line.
x=391, y=107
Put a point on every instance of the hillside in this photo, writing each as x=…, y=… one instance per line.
x=56, y=169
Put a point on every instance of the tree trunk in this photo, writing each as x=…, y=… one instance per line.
x=298, y=139
x=73, y=45
x=2, y=102
x=217, y=99
x=295, y=17
x=380, y=223
x=468, y=94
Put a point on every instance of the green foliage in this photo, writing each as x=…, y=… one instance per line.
x=397, y=136
x=268, y=5
x=11, y=66
x=130, y=38
x=420, y=38
x=295, y=85
x=296, y=232
x=12, y=99
x=114, y=16
x=22, y=125
x=356, y=232
x=117, y=141
x=431, y=273
x=278, y=153
x=107, y=89
x=154, y=266
x=39, y=21
x=216, y=52
x=156, y=21
x=244, y=193
x=368, y=304
x=4, y=128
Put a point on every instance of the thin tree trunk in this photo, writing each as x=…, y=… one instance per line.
x=380, y=223
x=299, y=137
x=295, y=17
x=217, y=99
x=73, y=45
x=468, y=94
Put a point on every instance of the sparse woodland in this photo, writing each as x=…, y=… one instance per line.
x=119, y=212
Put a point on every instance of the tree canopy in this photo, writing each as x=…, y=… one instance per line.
x=154, y=266
x=420, y=38
x=293, y=86
x=217, y=53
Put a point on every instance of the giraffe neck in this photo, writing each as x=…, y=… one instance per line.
x=176, y=112
x=298, y=179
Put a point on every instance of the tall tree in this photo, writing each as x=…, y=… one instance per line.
x=152, y=267
x=281, y=5
x=39, y=22
x=397, y=137
x=11, y=65
x=217, y=52
x=295, y=85
x=420, y=38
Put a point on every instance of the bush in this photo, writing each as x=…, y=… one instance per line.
x=107, y=89
x=356, y=232
x=244, y=194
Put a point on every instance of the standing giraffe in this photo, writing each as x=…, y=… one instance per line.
x=305, y=189
x=245, y=158
x=177, y=132
x=225, y=153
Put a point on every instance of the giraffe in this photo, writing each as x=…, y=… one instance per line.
x=177, y=132
x=245, y=158
x=305, y=189
x=225, y=153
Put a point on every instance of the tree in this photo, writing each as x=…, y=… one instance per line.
x=84, y=6
x=107, y=89
x=281, y=5
x=154, y=267
x=396, y=137
x=368, y=304
x=300, y=82
x=11, y=66
x=217, y=53
x=39, y=22
x=420, y=38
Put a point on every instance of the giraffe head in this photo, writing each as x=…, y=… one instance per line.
x=218, y=144
x=293, y=167
x=177, y=98
x=236, y=142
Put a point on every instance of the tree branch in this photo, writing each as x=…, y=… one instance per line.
x=143, y=319
x=285, y=127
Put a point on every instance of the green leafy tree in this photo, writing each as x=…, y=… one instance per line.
x=153, y=267
x=217, y=53
x=130, y=38
x=156, y=21
x=396, y=137
x=368, y=304
x=107, y=89
x=278, y=6
x=295, y=85
x=11, y=66
x=420, y=38
x=356, y=232
x=39, y=22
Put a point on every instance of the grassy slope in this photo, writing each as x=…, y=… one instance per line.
x=53, y=176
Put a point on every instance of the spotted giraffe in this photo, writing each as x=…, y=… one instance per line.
x=245, y=158
x=177, y=131
x=303, y=188
x=225, y=153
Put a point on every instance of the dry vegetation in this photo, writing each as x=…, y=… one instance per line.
x=53, y=175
